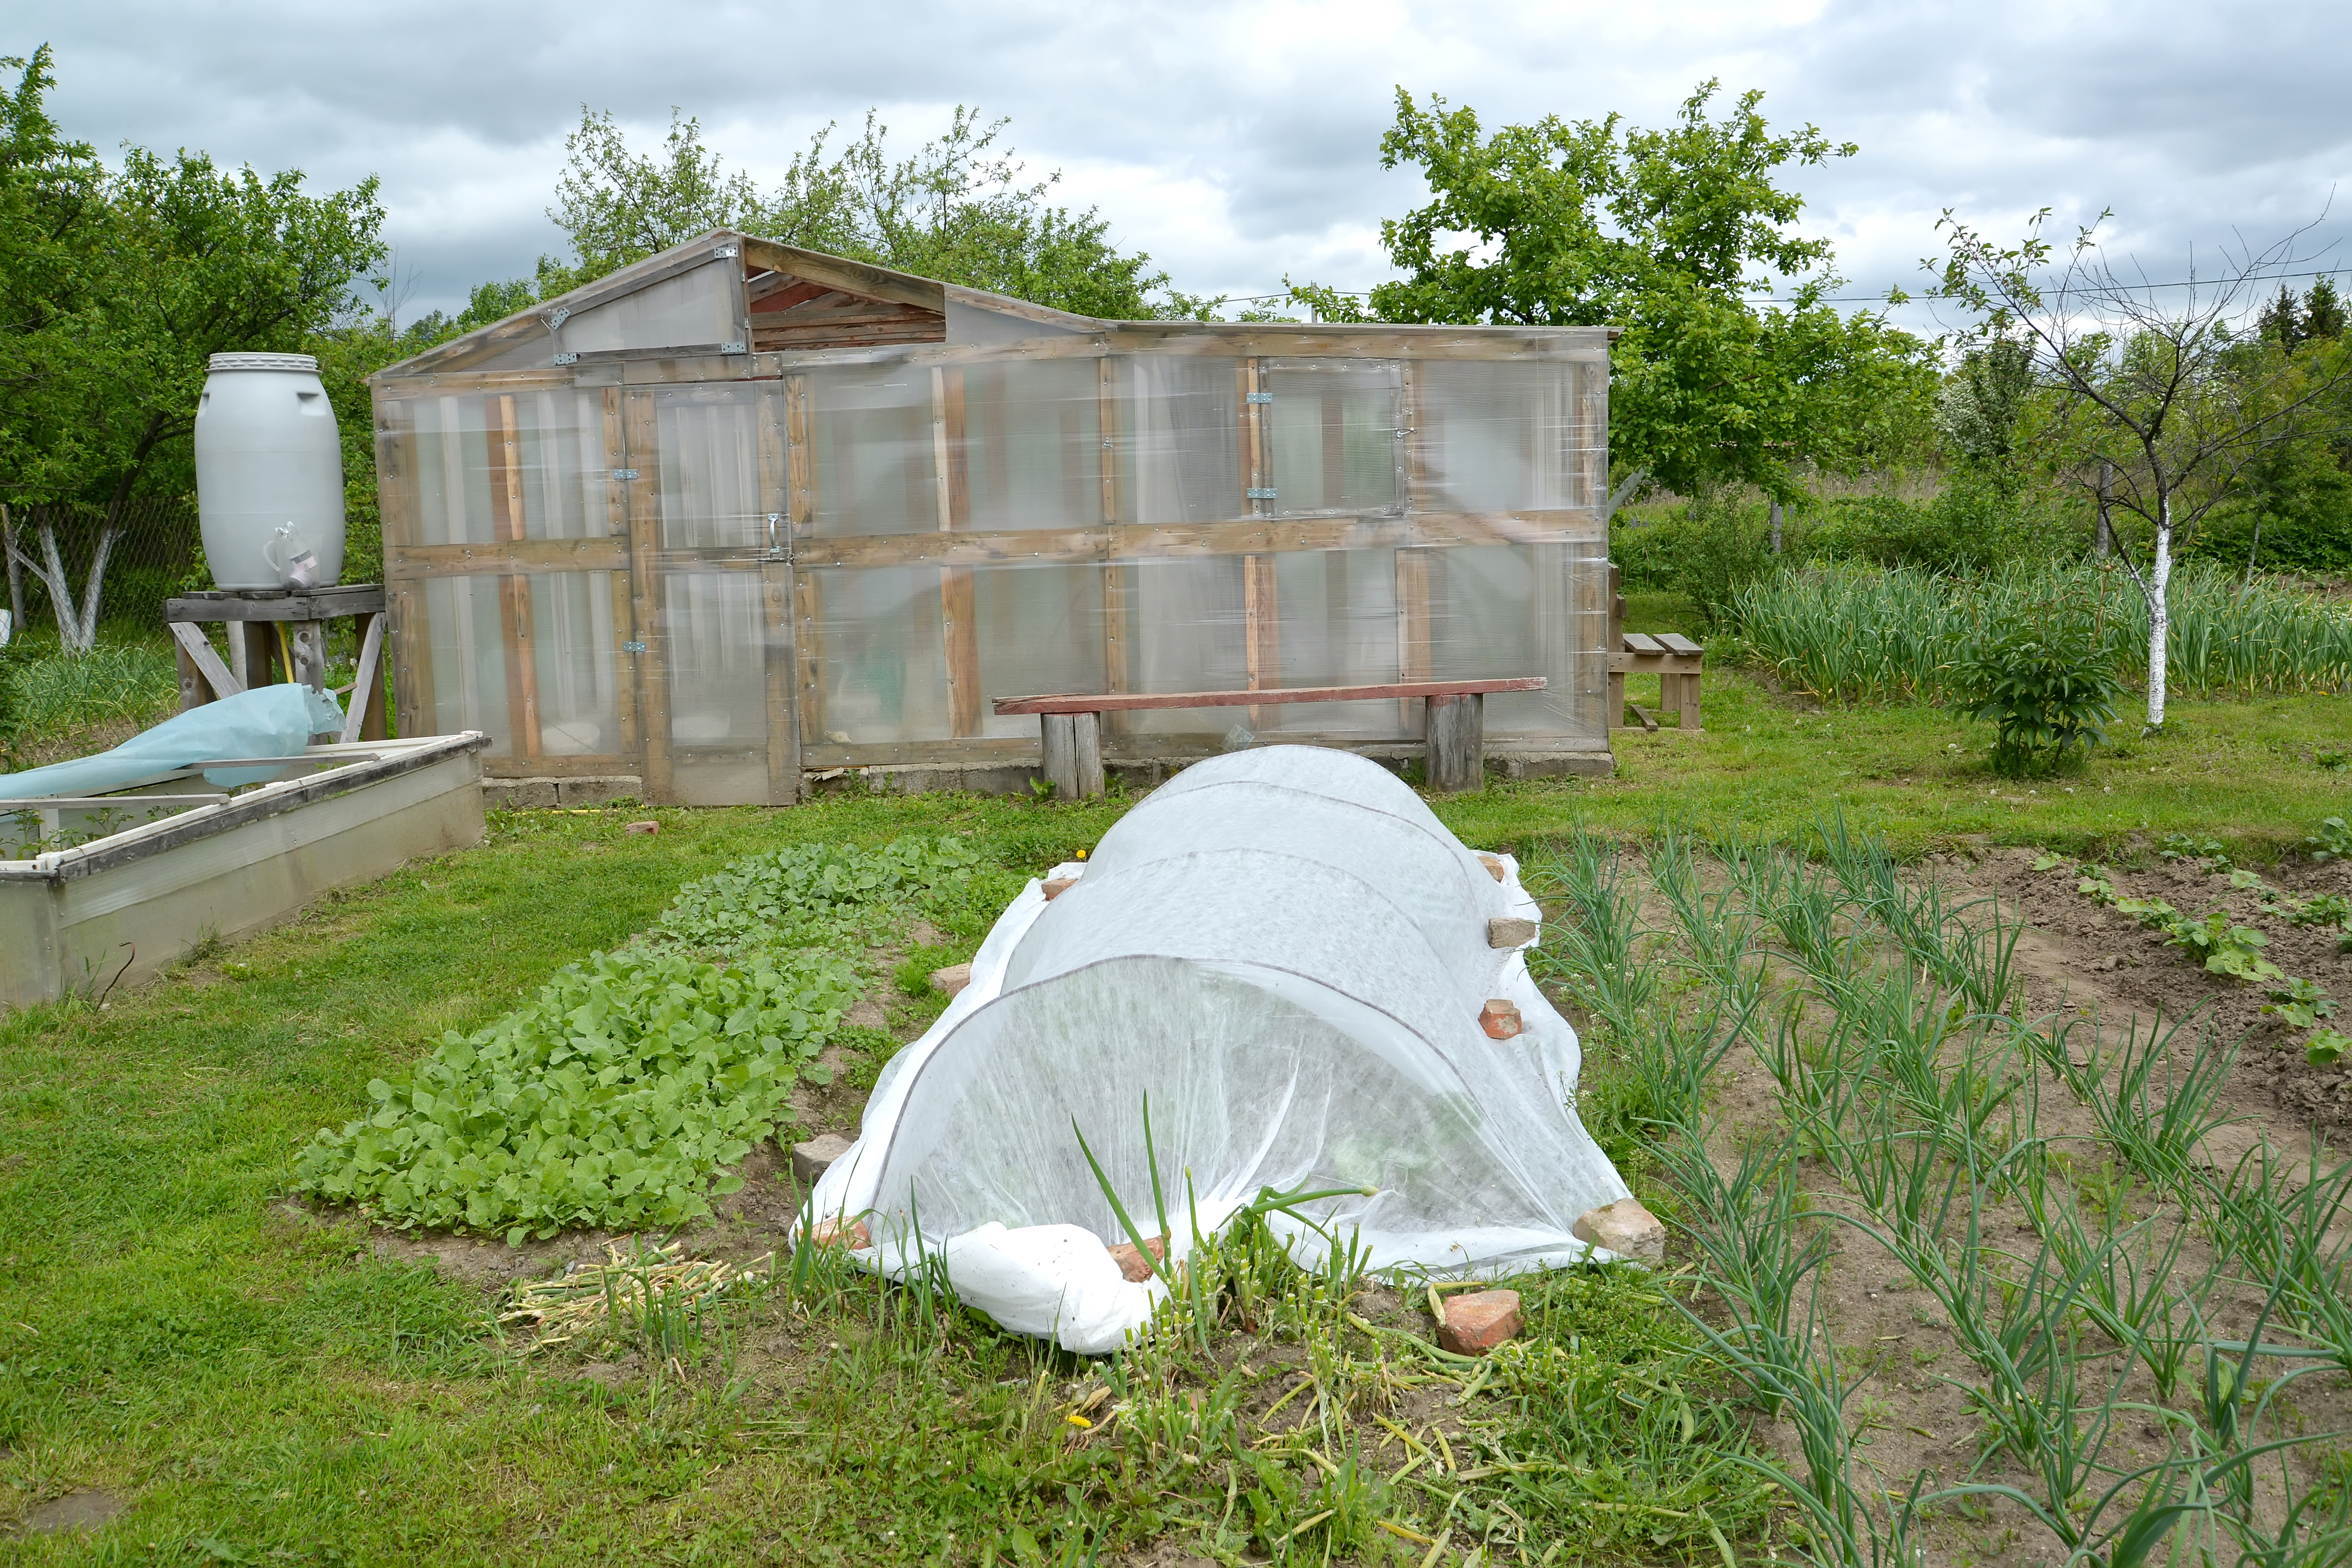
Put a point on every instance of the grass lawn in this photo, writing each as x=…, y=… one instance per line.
x=261, y=1387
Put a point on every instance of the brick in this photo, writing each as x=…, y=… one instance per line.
x=852, y=1235
x=1625, y=1228
x=1493, y=864
x=1477, y=1323
x=648, y=828
x=1509, y=930
x=1058, y=886
x=811, y=1159
x=952, y=979
x=1131, y=1266
x=1499, y=1018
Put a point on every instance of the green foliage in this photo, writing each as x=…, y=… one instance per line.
x=48, y=696
x=959, y=208
x=1865, y=634
x=2192, y=847
x=2226, y=948
x=612, y=1100
x=1662, y=233
x=120, y=285
x=2040, y=679
x=2332, y=841
x=2298, y=1004
x=615, y=1097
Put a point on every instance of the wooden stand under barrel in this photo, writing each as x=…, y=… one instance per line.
x=275, y=635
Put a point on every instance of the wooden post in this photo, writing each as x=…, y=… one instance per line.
x=1613, y=642
x=509, y=527
x=193, y=693
x=1413, y=632
x=1071, y=744
x=776, y=608
x=631, y=745
x=799, y=472
x=1457, y=738
x=1118, y=583
x=1262, y=626
x=959, y=628
x=643, y=424
x=308, y=642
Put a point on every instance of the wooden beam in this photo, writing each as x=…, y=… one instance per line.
x=849, y=277
x=642, y=423
x=1086, y=703
x=615, y=543
x=197, y=650
x=959, y=623
x=409, y=561
x=776, y=606
x=509, y=526
x=1261, y=629
x=367, y=685
x=1412, y=600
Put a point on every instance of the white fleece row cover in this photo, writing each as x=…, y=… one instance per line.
x=1287, y=953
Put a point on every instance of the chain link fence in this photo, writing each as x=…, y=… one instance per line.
x=159, y=554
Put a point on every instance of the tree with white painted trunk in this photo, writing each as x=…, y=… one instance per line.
x=2160, y=394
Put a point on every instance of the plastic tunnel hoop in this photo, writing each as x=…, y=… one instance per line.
x=1287, y=953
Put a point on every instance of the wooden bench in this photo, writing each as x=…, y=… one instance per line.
x=1455, y=724
x=1674, y=659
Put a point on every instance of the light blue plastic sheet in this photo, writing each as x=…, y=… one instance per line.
x=267, y=721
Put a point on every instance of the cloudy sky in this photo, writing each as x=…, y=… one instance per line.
x=1238, y=143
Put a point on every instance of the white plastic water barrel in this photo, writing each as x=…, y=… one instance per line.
x=270, y=473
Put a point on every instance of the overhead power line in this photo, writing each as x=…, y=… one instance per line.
x=1827, y=299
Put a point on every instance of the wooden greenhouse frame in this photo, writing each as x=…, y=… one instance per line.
x=743, y=516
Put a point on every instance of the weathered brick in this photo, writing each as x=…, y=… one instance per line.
x=1510, y=930
x=1494, y=865
x=951, y=979
x=1625, y=1228
x=811, y=1159
x=1477, y=1323
x=1499, y=1018
x=648, y=829
x=1131, y=1266
x=1058, y=886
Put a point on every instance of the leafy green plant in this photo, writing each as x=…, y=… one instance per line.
x=2334, y=762
x=2226, y=948
x=2333, y=841
x=2191, y=847
x=2044, y=682
x=2326, y=1048
x=611, y=1099
x=2298, y=1004
x=812, y=895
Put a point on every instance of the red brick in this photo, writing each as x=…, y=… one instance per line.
x=1494, y=866
x=1499, y=1018
x=832, y=1231
x=1477, y=1323
x=1131, y=1266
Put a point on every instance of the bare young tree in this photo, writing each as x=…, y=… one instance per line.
x=2162, y=391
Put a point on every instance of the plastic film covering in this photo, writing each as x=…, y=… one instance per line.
x=1286, y=952
x=858, y=556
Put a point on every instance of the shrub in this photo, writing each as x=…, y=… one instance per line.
x=2044, y=682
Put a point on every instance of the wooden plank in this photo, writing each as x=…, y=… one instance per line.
x=959, y=624
x=849, y=277
x=508, y=525
x=198, y=651
x=799, y=497
x=409, y=561
x=1261, y=629
x=1677, y=643
x=1612, y=642
x=776, y=608
x=1020, y=309
x=1238, y=536
x=193, y=692
x=367, y=684
x=615, y=543
x=642, y=424
x=1414, y=654
x=1655, y=663
x=1086, y=702
x=414, y=708
x=323, y=604
x=809, y=648
x=1641, y=642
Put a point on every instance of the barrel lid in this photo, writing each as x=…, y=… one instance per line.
x=264, y=362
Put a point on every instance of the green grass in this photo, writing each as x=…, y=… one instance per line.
x=262, y=1385
x=52, y=698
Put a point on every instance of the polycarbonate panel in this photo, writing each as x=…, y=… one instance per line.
x=466, y=654
x=555, y=441
x=693, y=310
x=1336, y=611
x=881, y=655
x=1032, y=444
x=1178, y=447
x=1336, y=429
x=1503, y=436
x=712, y=495
x=576, y=661
x=875, y=463
x=1040, y=630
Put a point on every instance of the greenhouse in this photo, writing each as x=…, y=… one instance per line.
x=1269, y=975
x=743, y=517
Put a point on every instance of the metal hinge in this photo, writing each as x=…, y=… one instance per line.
x=1261, y=397
x=720, y=252
x=625, y=473
x=731, y=348
x=567, y=358
x=633, y=648
x=1261, y=492
x=776, y=552
x=556, y=316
